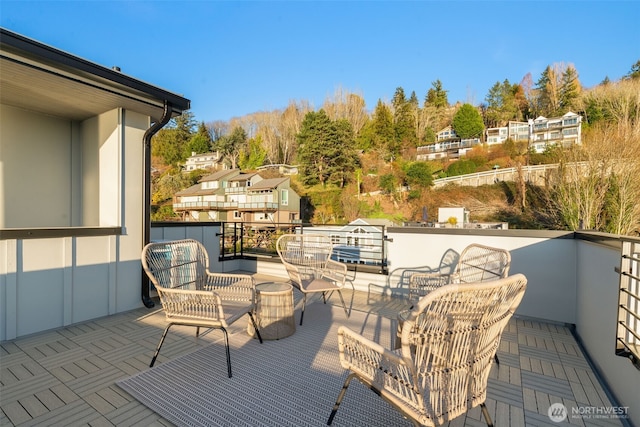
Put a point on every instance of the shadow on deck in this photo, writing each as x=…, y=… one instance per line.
x=67, y=376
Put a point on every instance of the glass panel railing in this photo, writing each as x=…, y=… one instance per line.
x=366, y=247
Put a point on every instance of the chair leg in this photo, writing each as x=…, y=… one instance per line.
x=304, y=303
x=255, y=326
x=164, y=335
x=343, y=304
x=226, y=346
x=340, y=397
x=487, y=417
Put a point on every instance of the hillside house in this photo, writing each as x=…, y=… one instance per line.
x=202, y=161
x=234, y=196
x=564, y=131
x=516, y=131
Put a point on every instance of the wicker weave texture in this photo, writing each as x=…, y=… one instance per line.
x=274, y=311
x=307, y=259
x=448, y=344
x=477, y=263
x=191, y=295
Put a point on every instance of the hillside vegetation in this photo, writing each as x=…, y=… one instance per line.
x=358, y=164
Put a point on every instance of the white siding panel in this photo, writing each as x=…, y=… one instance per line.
x=40, y=285
x=91, y=278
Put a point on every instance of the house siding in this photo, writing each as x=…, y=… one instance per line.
x=39, y=158
x=54, y=282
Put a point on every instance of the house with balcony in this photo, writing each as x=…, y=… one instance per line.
x=202, y=161
x=516, y=131
x=448, y=145
x=562, y=131
x=234, y=196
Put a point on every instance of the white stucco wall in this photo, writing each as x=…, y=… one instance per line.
x=548, y=262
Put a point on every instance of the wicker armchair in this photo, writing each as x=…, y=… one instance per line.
x=448, y=340
x=477, y=263
x=193, y=296
x=307, y=259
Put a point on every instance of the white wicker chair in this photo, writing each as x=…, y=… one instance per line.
x=477, y=263
x=191, y=295
x=448, y=340
x=307, y=259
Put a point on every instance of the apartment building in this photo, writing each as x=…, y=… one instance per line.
x=540, y=133
x=234, y=196
x=564, y=131
x=516, y=131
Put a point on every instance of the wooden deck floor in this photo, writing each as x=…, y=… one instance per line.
x=67, y=376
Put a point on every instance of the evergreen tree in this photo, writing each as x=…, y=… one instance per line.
x=326, y=150
x=502, y=104
x=569, y=90
x=204, y=132
x=434, y=112
x=346, y=162
x=521, y=102
x=548, y=92
x=171, y=143
x=634, y=73
x=467, y=122
x=197, y=144
x=404, y=121
x=253, y=155
x=383, y=130
x=419, y=175
x=184, y=126
x=437, y=96
x=413, y=101
x=398, y=100
x=200, y=142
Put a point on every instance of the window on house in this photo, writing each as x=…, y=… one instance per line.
x=237, y=214
x=357, y=237
x=284, y=197
x=335, y=239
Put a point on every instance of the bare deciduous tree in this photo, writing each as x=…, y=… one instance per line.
x=604, y=192
x=290, y=124
x=349, y=106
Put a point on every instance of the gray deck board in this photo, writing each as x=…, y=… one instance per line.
x=67, y=376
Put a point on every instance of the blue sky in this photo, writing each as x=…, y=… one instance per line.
x=232, y=58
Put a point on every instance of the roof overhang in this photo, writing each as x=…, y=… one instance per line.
x=38, y=77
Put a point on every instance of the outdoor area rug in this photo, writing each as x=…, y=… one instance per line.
x=289, y=382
